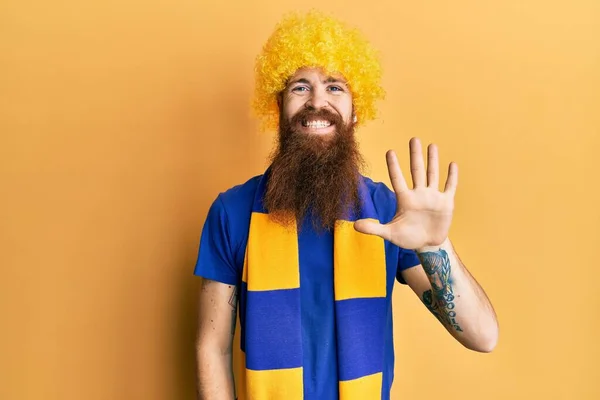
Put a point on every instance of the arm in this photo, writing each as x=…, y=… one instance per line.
x=422, y=222
x=454, y=297
x=216, y=326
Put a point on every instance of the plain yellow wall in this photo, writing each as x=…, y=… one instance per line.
x=120, y=121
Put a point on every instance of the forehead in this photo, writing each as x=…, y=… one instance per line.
x=316, y=74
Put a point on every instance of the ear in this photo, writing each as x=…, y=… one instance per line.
x=280, y=100
x=354, y=119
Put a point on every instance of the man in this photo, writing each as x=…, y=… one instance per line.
x=312, y=248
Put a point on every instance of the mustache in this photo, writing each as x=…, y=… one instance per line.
x=321, y=114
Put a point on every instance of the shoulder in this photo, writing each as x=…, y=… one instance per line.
x=383, y=198
x=239, y=198
x=236, y=204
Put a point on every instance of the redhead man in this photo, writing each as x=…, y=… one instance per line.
x=309, y=251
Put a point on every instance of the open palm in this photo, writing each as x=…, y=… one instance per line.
x=424, y=213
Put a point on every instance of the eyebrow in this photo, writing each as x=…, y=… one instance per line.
x=329, y=79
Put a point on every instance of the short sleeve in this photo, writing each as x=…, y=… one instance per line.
x=215, y=256
x=406, y=259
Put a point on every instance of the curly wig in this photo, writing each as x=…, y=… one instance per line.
x=320, y=41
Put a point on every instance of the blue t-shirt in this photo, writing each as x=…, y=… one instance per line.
x=221, y=258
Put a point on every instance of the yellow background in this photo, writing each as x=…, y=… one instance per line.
x=120, y=122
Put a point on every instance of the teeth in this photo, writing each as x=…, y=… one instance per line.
x=317, y=124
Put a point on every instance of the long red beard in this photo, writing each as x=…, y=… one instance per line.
x=314, y=175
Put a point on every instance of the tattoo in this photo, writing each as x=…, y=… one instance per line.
x=440, y=298
x=233, y=303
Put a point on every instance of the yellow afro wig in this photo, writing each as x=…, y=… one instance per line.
x=320, y=41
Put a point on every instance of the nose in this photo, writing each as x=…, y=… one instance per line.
x=317, y=100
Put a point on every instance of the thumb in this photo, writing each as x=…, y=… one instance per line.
x=371, y=227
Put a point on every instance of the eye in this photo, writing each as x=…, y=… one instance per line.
x=300, y=89
x=335, y=89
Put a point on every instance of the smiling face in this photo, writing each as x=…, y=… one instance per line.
x=314, y=103
x=315, y=168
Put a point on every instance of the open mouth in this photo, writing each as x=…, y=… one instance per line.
x=315, y=124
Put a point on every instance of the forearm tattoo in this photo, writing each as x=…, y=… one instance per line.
x=440, y=298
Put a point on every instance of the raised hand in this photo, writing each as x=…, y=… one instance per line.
x=424, y=213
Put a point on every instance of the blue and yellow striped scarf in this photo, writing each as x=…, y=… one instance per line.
x=271, y=314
